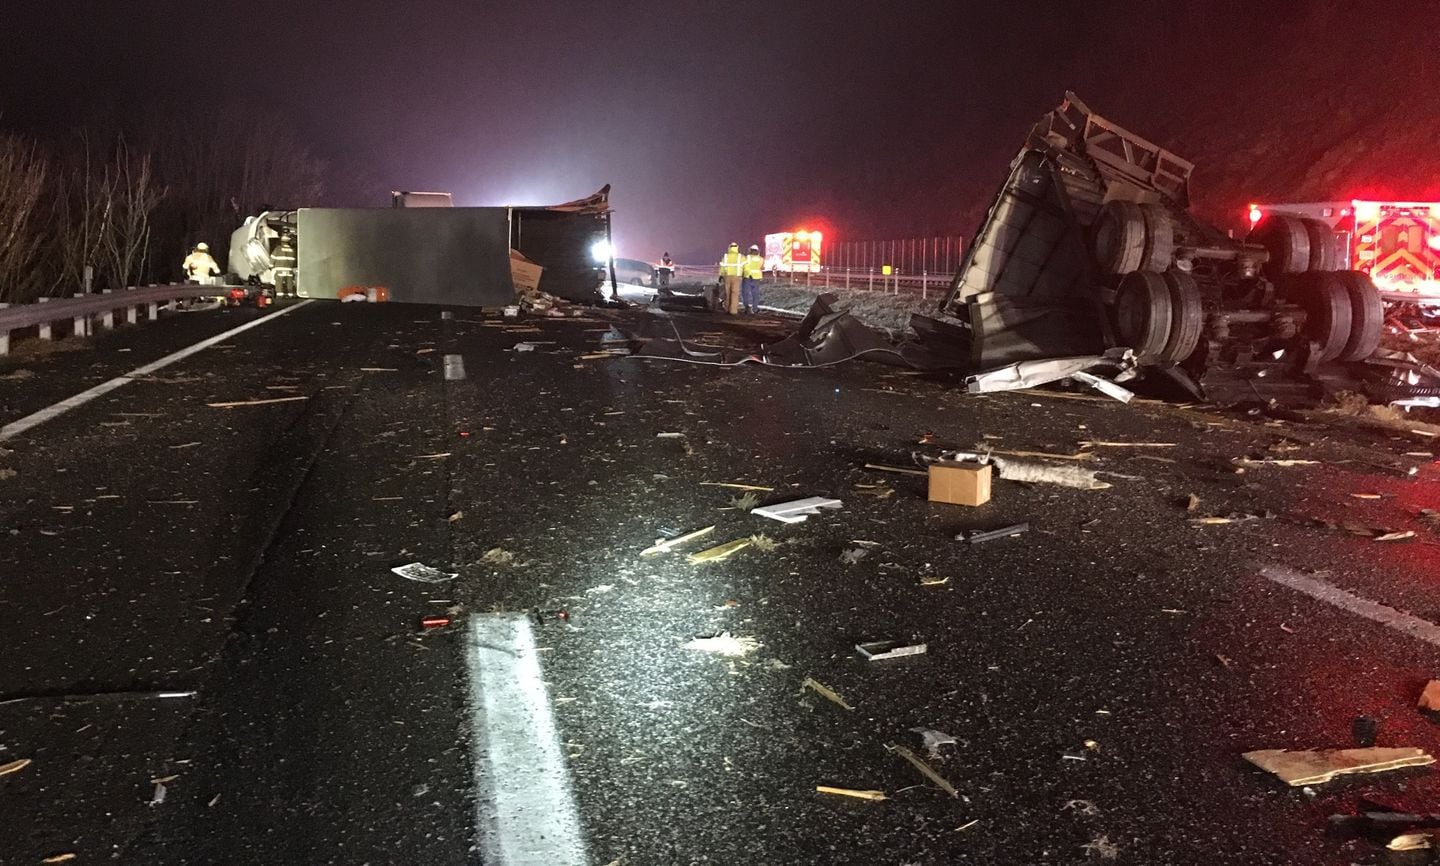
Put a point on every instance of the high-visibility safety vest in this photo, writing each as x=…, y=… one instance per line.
x=732, y=264
x=754, y=266
x=667, y=264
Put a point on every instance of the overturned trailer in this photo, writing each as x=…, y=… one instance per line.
x=433, y=254
x=1091, y=245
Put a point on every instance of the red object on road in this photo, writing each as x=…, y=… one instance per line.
x=434, y=621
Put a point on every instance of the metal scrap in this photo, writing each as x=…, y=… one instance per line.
x=976, y=536
x=1298, y=769
x=796, y=510
x=933, y=740
x=1027, y=471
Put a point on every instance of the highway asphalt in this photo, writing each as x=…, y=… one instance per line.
x=1100, y=674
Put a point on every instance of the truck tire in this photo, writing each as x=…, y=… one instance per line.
x=1324, y=249
x=1187, y=317
x=1143, y=313
x=1367, y=317
x=1326, y=302
x=1287, y=240
x=1159, y=238
x=1120, y=237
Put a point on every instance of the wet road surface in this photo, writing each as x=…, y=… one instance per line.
x=1100, y=674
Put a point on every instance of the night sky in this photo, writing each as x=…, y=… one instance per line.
x=713, y=121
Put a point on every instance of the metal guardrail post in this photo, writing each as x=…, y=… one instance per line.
x=107, y=318
x=4, y=337
x=82, y=323
x=132, y=314
x=847, y=278
x=152, y=310
x=924, y=284
x=870, y=280
x=45, y=333
x=807, y=278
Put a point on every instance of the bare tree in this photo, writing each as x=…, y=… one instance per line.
x=82, y=218
x=22, y=183
x=132, y=194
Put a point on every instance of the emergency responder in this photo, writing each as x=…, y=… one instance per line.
x=284, y=260
x=731, y=267
x=753, y=273
x=664, y=272
x=198, y=266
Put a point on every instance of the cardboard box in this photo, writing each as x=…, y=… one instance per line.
x=960, y=483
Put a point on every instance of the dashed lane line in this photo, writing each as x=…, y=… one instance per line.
x=525, y=802
x=1387, y=616
x=35, y=419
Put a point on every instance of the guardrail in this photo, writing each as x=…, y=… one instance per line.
x=81, y=309
x=869, y=279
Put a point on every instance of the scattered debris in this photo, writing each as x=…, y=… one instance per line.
x=976, y=536
x=1430, y=697
x=61, y=858
x=1412, y=842
x=669, y=435
x=1099, y=443
x=853, y=555
x=1364, y=730
x=543, y=616
x=266, y=402
x=736, y=486
x=665, y=545
x=19, y=374
x=744, y=502
x=898, y=470
x=423, y=573
x=1233, y=517
x=762, y=542
x=1102, y=847
x=429, y=622
x=498, y=556
x=1314, y=767
x=724, y=644
x=934, y=581
x=924, y=768
x=1192, y=503
x=457, y=516
x=7, y=474
x=881, y=650
x=14, y=766
x=159, y=796
x=878, y=491
x=722, y=551
x=851, y=792
x=1272, y=461
x=1082, y=807
x=797, y=510
x=933, y=740
x=1398, y=535
x=825, y=692
x=1367, y=496
x=1224, y=660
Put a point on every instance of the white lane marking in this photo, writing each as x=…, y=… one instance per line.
x=525, y=807
x=1387, y=616
x=15, y=428
x=454, y=368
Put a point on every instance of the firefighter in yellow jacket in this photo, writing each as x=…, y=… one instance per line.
x=732, y=266
x=199, y=267
x=753, y=273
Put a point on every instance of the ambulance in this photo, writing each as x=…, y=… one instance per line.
x=793, y=252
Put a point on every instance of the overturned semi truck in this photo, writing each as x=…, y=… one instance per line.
x=433, y=253
x=1091, y=244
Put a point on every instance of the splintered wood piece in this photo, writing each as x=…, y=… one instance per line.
x=1314, y=767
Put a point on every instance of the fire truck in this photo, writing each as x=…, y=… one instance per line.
x=793, y=252
x=1395, y=243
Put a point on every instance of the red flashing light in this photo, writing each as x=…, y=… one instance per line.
x=1255, y=214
